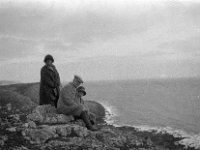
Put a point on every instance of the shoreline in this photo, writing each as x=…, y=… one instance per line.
x=189, y=140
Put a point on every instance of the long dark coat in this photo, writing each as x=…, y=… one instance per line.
x=49, y=85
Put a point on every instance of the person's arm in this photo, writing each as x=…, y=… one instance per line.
x=57, y=79
x=82, y=101
x=83, y=105
x=46, y=78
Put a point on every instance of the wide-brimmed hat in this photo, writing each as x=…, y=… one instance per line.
x=81, y=89
x=48, y=57
x=78, y=78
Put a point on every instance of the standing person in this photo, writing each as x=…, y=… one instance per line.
x=49, y=83
x=68, y=105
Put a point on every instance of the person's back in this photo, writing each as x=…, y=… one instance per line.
x=66, y=103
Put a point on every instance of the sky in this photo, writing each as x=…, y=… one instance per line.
x=100, y=39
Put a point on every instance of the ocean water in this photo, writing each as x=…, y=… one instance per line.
x=171, y=105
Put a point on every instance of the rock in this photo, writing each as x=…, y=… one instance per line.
x=79, y=122
x=15, y=116
x=30, y=124
x=161, y=148
x=12, y=129
x=20, y=148
x=149, y=141
x=9, y=107
x=45, y=132
x=38, y=136
x=96, y=108
x=46, y=114
x=63, y=130
x=79, y=131
x=3, y=139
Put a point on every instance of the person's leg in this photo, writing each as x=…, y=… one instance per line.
x=56, y=102
x=85, y=117
x=57, y=96
x=77, y=117
x=92, y=118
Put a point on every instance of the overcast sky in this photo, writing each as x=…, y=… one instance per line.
x=100, y=39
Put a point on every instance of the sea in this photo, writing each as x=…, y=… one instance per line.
x=163, y=105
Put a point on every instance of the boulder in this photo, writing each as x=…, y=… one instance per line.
x=96, y=108
x=47, y=114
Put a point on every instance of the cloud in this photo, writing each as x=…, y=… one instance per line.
x=152, y=33
x=189, y=45
x=82, y=25
x=10, y=49
x=192, y=9
x=27, y=27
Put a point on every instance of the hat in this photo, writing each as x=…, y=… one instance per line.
x=78, y=78
x=81, y=89
x=48, y=57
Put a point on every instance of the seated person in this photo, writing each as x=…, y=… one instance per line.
x=67, y=103
x=80, y=92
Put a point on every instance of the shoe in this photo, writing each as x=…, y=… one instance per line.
x=92, y=122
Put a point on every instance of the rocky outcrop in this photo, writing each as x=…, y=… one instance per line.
x=46, y=114
x=43, y=133
x=70, y=134
x=45, y=123
x=96, y=108
x=73, y=136
x=50, y=124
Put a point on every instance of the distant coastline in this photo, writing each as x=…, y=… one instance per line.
x=8, y=82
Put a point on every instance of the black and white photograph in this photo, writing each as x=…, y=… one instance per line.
x=99, y=74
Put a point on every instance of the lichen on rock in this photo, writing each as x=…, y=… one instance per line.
x=46, y=114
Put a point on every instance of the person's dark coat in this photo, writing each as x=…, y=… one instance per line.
x=49, y=85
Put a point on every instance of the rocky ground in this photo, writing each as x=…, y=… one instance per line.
x=24, y=126
x=44, y=129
